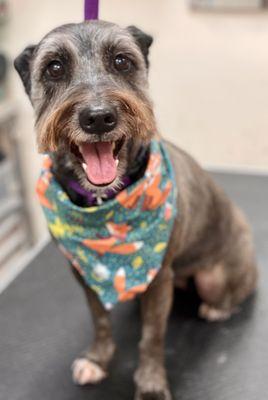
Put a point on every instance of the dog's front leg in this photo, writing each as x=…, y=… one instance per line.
x=150, y=376
x=91, y=367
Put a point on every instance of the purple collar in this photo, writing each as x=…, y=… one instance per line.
x=90, y=195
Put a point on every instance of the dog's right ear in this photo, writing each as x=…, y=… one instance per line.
x=22, y=66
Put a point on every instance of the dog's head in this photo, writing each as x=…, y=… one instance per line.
x=88, y=85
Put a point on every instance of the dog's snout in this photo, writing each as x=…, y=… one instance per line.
x=98, y=120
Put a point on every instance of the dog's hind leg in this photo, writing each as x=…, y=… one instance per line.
x=224, y=270
x=222, y=288
x=225, y=285
x=91, y=366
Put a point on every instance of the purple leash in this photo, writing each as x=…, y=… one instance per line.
x=91, y=9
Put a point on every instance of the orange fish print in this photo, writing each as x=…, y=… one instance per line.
x=119, y=231
x=108, y=245
x=41, y=188
x=126, y=248
x=151, y=274
x=130, y=200
x=168, y=212
x=47, y=163
x=101, y=246
x=154, y=163
x=154, y=196
x=120, y=286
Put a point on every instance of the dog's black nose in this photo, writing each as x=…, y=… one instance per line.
x=98, y=120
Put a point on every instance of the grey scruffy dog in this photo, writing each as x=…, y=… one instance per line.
x=87, y=83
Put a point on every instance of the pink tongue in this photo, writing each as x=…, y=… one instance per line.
x=101, y=165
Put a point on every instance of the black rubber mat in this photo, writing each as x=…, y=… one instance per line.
x=44, y=324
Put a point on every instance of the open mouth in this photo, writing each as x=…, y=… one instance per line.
x=100, y=161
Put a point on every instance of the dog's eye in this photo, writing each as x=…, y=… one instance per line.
x=122, y=63
x=55, y=70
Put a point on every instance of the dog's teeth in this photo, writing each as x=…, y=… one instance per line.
x=116, y=162
x=113, y=145
x=84, y=165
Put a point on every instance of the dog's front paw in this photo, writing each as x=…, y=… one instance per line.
x=159, y=395
x=151, y=383
x=87, y=372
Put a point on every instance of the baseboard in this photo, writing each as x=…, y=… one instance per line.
x=237, y=169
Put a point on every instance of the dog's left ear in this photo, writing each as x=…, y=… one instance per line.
x=22, y=66
x=143, y=40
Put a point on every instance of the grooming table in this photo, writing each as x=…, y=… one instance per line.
x=44, y=324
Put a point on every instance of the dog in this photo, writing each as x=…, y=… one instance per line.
x=88, y=84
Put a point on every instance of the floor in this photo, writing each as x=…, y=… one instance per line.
x=44, y=324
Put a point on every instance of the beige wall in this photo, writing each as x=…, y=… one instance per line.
x=209, y=76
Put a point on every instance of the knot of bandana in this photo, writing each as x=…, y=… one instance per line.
x=118, y=246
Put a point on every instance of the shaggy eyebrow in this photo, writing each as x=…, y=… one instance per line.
x=121, y=46
x=54, y=48
x=61, y=52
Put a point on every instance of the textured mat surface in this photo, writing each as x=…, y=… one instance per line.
x=44, y=324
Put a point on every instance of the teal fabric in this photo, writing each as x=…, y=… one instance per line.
x=118, y=246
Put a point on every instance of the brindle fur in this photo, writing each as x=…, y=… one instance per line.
x=211, y=241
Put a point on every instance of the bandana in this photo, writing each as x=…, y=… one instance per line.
x=118, y=246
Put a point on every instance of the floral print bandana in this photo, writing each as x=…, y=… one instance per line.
x=118, y=246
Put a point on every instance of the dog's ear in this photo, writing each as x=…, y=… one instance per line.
x=143, y=40
x=22, y=66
